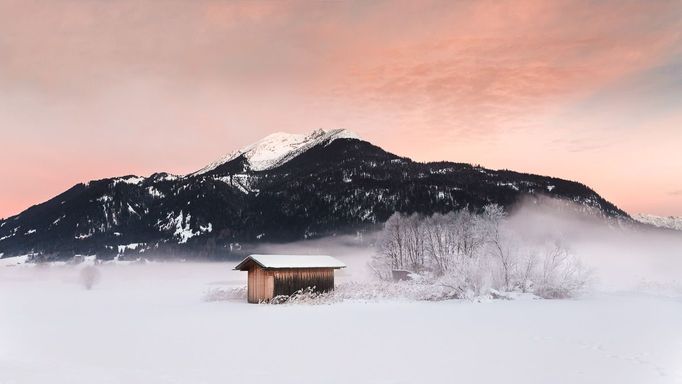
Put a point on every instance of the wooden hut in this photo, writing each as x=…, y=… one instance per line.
x=275, y=275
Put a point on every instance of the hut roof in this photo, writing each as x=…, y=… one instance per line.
x=290, y=261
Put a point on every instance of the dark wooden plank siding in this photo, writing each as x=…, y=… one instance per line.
x=288, y=281
x=265, y=284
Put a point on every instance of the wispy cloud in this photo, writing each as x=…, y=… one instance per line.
x=586, y=144
x=492, y=66
x=482, y=81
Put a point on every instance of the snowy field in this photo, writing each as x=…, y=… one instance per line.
x=151, y=324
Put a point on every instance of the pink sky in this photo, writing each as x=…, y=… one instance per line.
x=583, y=90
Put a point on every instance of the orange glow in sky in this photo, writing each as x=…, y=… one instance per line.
x=583, y=90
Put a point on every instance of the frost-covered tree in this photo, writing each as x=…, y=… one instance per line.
x=391, y=244
x=415, y=246
x=502, y=246
x=560, y=274
x=454, y=243
x=469, y=233
x=440, y=242
x=528, y=264
x=470, y=253
x=401, y=245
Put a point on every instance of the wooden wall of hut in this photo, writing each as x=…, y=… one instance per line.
x=288, y=281
x=261, y=285
x=264, y=284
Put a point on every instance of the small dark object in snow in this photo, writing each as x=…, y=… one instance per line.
x=401, y=275
x=89, y=276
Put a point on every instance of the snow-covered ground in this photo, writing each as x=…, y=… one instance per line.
x=150, y=324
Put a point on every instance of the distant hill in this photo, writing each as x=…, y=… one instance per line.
x=669, y=222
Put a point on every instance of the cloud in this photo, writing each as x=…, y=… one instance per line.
x=585, y=144
x=97, y=88
x=493, y=66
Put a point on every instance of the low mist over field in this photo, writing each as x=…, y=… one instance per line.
x=168, y=322
x=621, y=255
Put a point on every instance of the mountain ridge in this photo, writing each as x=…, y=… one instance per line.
x=668, y=222
x=324, y=185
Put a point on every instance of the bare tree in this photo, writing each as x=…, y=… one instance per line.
x=401, y=246
x=453, y=244
x=440, y=242
x=392, y=243
x=561, y=274
x=392, y=247
x=501, y=245
x=468, y=233
x=527, y=270
x=414, y=244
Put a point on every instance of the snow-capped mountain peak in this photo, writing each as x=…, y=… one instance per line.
x=670, y=222
x=278, y=148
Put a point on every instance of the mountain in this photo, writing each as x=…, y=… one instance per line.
x=669, y=222
x=283, y=188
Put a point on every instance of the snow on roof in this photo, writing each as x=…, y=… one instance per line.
x=291, y=261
